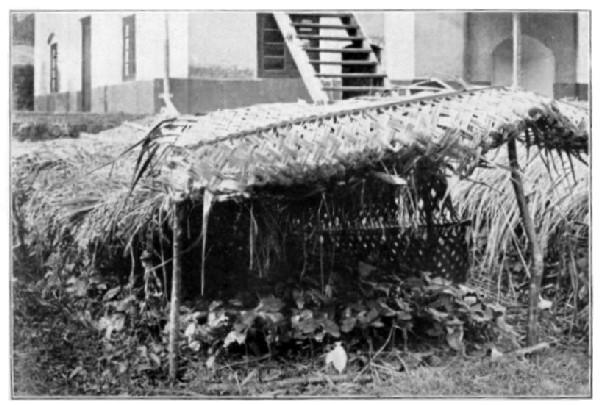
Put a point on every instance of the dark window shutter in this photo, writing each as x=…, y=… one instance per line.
x=132, y=58
x=129, y=59
x=54, y=68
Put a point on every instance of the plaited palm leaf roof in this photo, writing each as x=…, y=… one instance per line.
x=235, y=151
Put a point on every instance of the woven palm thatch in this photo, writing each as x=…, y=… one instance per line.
x=240, y=152
x=234, y=152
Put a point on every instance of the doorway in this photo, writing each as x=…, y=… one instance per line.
x=86, y=64
x=537, y=65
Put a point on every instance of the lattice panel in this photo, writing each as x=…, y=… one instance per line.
x=442, y=251
x=406, y=229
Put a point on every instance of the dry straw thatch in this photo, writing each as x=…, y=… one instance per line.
x=558, y=198
x=236, y=153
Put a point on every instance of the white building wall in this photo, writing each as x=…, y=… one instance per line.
x=373, y=25
x=107, y=48
x=223, y=44
x=439, y=44
x=399, y=51
x=150, y=37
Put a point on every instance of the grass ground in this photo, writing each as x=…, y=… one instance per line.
x=555, y=373
x=54, y=356
x=563, y=373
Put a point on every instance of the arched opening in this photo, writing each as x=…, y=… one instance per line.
x=537, y=65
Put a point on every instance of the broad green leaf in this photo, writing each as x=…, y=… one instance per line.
x=123, y=366
x=403, y=316
x=348, y=324
x=156, y=347
x=110, y=294
x=234, y=336
x=248, y=318
x=298, y=298
x=365, y=269
x=125, y=304
x=270, y=304
x=77, y=287
x=496, y=307
x=331, y=328
x=454, y=339
x=437, y=315
x=235, y=302
x=272, y=317
x=216, y=318
x=118, y=322
x=214, y=305
x=435, y=331
x=190, y=331
x=210, y=362
x=386, y=310
x=308, y=326
x=155, y=359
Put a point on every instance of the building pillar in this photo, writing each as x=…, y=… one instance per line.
x=583, y=55
x=399, y=51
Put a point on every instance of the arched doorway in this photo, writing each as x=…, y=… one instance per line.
x=537, y=65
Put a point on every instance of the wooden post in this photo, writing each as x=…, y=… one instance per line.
x=534, y=246
x=178, y=218
x=167, y=96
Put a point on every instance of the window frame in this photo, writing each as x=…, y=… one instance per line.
x=128, y=66
x=54, y=88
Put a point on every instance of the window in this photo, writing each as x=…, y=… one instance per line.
x=53, y=68
x=273, y=54
x=273, y=57
x=129, y=47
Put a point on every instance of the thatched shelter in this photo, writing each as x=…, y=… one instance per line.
x=306, y=160
x=276, y=189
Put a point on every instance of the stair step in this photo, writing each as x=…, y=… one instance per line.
x=327, y=26
x=344, y=62
x=330, y=38
x=355, y=88
x=338, y=50
x=352, y=75
x=320, y=14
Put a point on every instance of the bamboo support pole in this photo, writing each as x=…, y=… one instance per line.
x=178, y=218
x=537, y=258
x=534, y=246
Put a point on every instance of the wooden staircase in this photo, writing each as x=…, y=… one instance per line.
x=332, y=48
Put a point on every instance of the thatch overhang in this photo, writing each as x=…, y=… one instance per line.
x=234, y=152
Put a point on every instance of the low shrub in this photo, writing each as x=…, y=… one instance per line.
x=95, y=336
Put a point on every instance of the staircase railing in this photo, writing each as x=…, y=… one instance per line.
x=307, y=71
